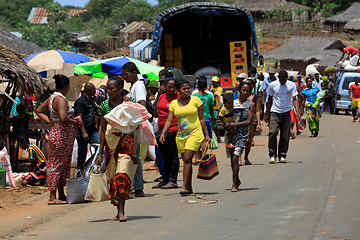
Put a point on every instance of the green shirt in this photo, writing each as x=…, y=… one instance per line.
x=207, y=100
x=106, y=106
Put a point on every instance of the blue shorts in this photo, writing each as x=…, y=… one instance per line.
x=208, y=125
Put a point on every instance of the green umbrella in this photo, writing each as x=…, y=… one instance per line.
x=113, y=67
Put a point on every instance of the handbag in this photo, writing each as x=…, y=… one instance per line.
x=208, y=168
x=214, y=143
x=76, y=187
x=98, y=188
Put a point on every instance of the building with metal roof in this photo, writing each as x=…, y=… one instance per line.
x=39, y=15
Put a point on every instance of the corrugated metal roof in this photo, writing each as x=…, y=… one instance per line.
x=134, y=44
x=39, y=15
x=137, y=26
x=143, y=45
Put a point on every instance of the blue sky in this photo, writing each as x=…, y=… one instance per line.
x=81, y=3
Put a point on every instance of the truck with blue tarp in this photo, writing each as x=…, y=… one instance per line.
x=201, y=34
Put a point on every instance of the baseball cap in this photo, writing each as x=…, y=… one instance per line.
x=241, y=75
x=215, y=79
x=153, y=83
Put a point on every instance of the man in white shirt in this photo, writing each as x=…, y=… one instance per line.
x=282, y=96
x=138, y=94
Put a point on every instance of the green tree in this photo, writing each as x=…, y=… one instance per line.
x=102, y=8
x=57, y=13
x=99, y=29
x=135, y=10
x=73, y=24
x=45, y=36
x=17, y=11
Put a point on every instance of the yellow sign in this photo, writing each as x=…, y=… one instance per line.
x=238, y=59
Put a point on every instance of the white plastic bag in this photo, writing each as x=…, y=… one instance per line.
x=354, y=60
x=74, y=155
x=144, y=134
x=126, y=117
x=151, y=153
x=311, y=70
x=5, y=158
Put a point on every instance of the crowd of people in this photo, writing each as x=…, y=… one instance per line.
x=184, y=121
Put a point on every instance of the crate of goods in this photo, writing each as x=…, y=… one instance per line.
x=169, y=64
x=178, y=65
x=168, y=40
x=169, y=54
x=225, y=82
x=177, y=54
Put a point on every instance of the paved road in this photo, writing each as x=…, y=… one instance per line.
x=314, y=196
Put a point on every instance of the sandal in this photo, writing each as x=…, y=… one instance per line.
x=247, y=163
x=184, y=192
x=57, y=202
x=158, y=179
x=169, y=185
x=196, y=162
x=159, y=185
x=151, y=168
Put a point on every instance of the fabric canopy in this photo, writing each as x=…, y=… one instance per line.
x=113, y=67
x=54, y=59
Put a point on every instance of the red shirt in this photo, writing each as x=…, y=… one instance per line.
x=163, y=110
x=356, y=90
x=350, y=50
x=302, y=86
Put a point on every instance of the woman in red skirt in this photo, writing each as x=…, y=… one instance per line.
x=61, y=138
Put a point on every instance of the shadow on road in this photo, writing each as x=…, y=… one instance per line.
x=206, y=193
x=130, y=218
x=243, y=189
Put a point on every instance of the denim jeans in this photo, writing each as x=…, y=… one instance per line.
x=279, y=122
x=94, y=137
x=171, y=160
x=138, y=182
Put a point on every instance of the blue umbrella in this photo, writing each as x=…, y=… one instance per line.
x=54, y=59
x=113, y=66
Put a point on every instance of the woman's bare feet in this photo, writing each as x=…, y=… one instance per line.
x=235, y=187
x=116, y=218
x=122, y=217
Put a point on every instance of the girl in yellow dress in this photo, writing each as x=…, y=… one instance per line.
x=190, y=114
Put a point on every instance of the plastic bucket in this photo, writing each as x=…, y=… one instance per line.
x=2, y=175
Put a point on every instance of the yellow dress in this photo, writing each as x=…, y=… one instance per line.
x=190, y=134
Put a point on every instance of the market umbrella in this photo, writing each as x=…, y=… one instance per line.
x=53, y=62
x=113, y=66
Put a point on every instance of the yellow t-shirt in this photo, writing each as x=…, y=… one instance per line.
x=225, y=111
x=216, y=91
x=188, y=118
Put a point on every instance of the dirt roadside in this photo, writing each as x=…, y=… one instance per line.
x=23, y=208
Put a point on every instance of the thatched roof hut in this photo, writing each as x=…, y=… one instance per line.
x=353, y=27
x=15, y=78
x=17, y=44
x=351, y=13
x=258, y=7
x=298, y=52
x=339, y=21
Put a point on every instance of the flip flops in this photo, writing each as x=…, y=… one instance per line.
x=56, y=202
